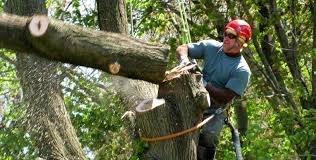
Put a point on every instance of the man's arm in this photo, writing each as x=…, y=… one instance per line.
x=182, y=51
x=182, y=54
x=220, y=96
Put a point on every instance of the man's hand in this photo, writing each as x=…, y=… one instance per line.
x=184, y=61
x=182, y=55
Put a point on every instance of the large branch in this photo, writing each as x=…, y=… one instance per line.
x=113, y=53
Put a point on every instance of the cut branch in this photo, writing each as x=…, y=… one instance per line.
x=113, y=53
x=38, y=26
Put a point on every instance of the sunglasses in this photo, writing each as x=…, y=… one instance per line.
x=230, y=35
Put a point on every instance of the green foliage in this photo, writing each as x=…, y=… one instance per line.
x=117, y=146
x=1, y=5
x=139, y=148
x=76, y=12
x=263, y=141
x=266, y=137
x=150, y=18
x=94, y=120
x=96, y=115
x=14, y=142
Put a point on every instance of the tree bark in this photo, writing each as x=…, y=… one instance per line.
x=46, y=118
x=112, y=18
x=180, y=105
x=110, y=52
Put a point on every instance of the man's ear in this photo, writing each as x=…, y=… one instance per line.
x=242, y=46
x=242, y=43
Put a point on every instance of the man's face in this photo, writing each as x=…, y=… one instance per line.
x=231, y=43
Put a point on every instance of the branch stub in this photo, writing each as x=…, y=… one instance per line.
x=149, y=104
x=38, y=25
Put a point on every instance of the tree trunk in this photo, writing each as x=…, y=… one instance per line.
x=46, y=118
x=179, y=108
x=112, y=18
x=113, y=53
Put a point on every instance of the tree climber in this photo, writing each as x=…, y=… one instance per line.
x=225, y=75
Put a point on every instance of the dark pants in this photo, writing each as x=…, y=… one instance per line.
x=210, y=133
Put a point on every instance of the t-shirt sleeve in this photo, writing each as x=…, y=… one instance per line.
x=239, y=81
x=196, y=50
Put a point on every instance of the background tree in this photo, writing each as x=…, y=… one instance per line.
x=112, y=17
x=46, y=118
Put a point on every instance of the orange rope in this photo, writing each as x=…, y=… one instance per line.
x=162, y=138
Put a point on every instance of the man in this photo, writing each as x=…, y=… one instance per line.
x=225, y=74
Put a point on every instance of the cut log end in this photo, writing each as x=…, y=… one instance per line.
x=38, y=25
x=149, y=104
x=114, y=68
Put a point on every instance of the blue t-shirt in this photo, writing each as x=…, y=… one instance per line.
x=219, y=69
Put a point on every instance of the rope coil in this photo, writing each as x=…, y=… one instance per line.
x=177, y=134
